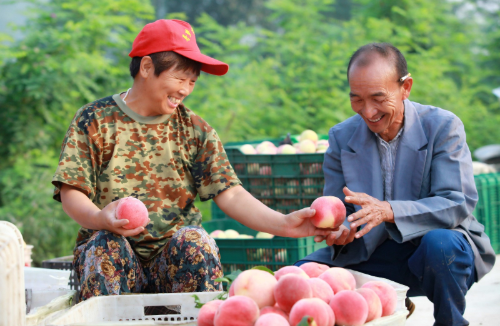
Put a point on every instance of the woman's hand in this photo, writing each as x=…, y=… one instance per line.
x=298, y=225
x=108, y=217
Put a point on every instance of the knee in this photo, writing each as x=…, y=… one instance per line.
x=194, y=236
x=105, y=236
x=446, y=245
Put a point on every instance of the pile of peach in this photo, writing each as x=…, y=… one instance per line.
x=326, y=296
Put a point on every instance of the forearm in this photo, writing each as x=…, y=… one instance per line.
x=240, y=205
x=80, y=208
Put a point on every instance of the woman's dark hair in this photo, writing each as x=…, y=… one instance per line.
x=165, y=60
x=388, y=51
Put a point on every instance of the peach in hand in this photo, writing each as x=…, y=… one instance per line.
x=133, y=210
x=330, y=212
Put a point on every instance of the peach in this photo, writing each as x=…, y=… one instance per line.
x=315, y=308
x=256, y=284
x=231, y=290
x=231, y=234
x=321, y=289
x=237, y=311
x=290, y=289
x=264, y=235
x=290, y=270
x=310, y=135
x=330, y=212
x=307, y=146
x=262, y=147
x=271, y=319
x=386, y=293
x=207, y=313
x=218, y=234
x=275, y=310
x=286, y=149
x=313, y=269
x=133, y=210
x=374, y=304
x=248, y=149
x=349, y=308
x=339, y=279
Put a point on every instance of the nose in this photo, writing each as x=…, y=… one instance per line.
x=369, y=111
x=185, y=89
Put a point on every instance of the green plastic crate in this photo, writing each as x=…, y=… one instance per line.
x=285, y=183
x=273, y=253
x=487, y=210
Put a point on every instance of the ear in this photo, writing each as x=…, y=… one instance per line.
x=407, y=84
x=147, y=68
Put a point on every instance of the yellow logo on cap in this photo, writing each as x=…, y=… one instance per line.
x=186, y=37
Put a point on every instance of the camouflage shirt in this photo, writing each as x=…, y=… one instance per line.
x=110, y=152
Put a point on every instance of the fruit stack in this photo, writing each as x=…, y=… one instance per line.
x=312, y=294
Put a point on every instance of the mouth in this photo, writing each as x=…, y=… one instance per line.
x=174, y=101
x=375, y=120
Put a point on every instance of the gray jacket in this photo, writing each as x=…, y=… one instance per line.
x=433, y=183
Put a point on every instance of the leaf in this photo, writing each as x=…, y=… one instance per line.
x=264, y=268
x=198, y=303
x=306, y=321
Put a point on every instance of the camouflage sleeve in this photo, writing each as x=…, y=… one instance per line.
x=212, y=171
x=78, y=162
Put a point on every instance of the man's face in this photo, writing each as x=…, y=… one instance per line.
x=170, y=88
x=377, y=96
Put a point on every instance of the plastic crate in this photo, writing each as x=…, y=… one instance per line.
x=285, y=183
x=64, y=263
x=487, y=210
x=12, y=294
x=273, y=253
x=131, y=309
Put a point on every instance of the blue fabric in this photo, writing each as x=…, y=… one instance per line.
x=441, y=267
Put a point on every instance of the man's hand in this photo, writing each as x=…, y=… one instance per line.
x=341, y=237
x=112, y=224
x=372, y=212
x=298, y=224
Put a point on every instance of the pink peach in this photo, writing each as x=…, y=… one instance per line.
x=290, y=270
x=386, y=293
x=313, y=307
x=321, y=289
x=330, y=212
x=256, y=284
x=349, y=308
x=207, y=313
x=275, y=310
x=133, y=210
x=339, y=279
x=271, y=319
x=373, y=301
x=290, y=289
x=238, y=310
x=313, y=269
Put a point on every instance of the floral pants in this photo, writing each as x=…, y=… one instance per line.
x=107, y=265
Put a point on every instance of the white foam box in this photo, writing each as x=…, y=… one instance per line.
x=128, y=310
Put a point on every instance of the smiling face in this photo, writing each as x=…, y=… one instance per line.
x=169, y=89
x=377, y=96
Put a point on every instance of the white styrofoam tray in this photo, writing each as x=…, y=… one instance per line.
x=127, y=310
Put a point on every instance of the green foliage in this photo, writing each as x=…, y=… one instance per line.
x=73, y=52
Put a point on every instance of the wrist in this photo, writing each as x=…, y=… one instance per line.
x=389, y=213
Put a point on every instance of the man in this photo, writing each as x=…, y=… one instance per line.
x=404, y=172
x=145, y=143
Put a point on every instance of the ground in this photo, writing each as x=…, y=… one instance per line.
x=483, y=302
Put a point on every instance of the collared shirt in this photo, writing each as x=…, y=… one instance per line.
x=387, y=152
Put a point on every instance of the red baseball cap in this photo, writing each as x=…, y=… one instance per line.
x=177, y=36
